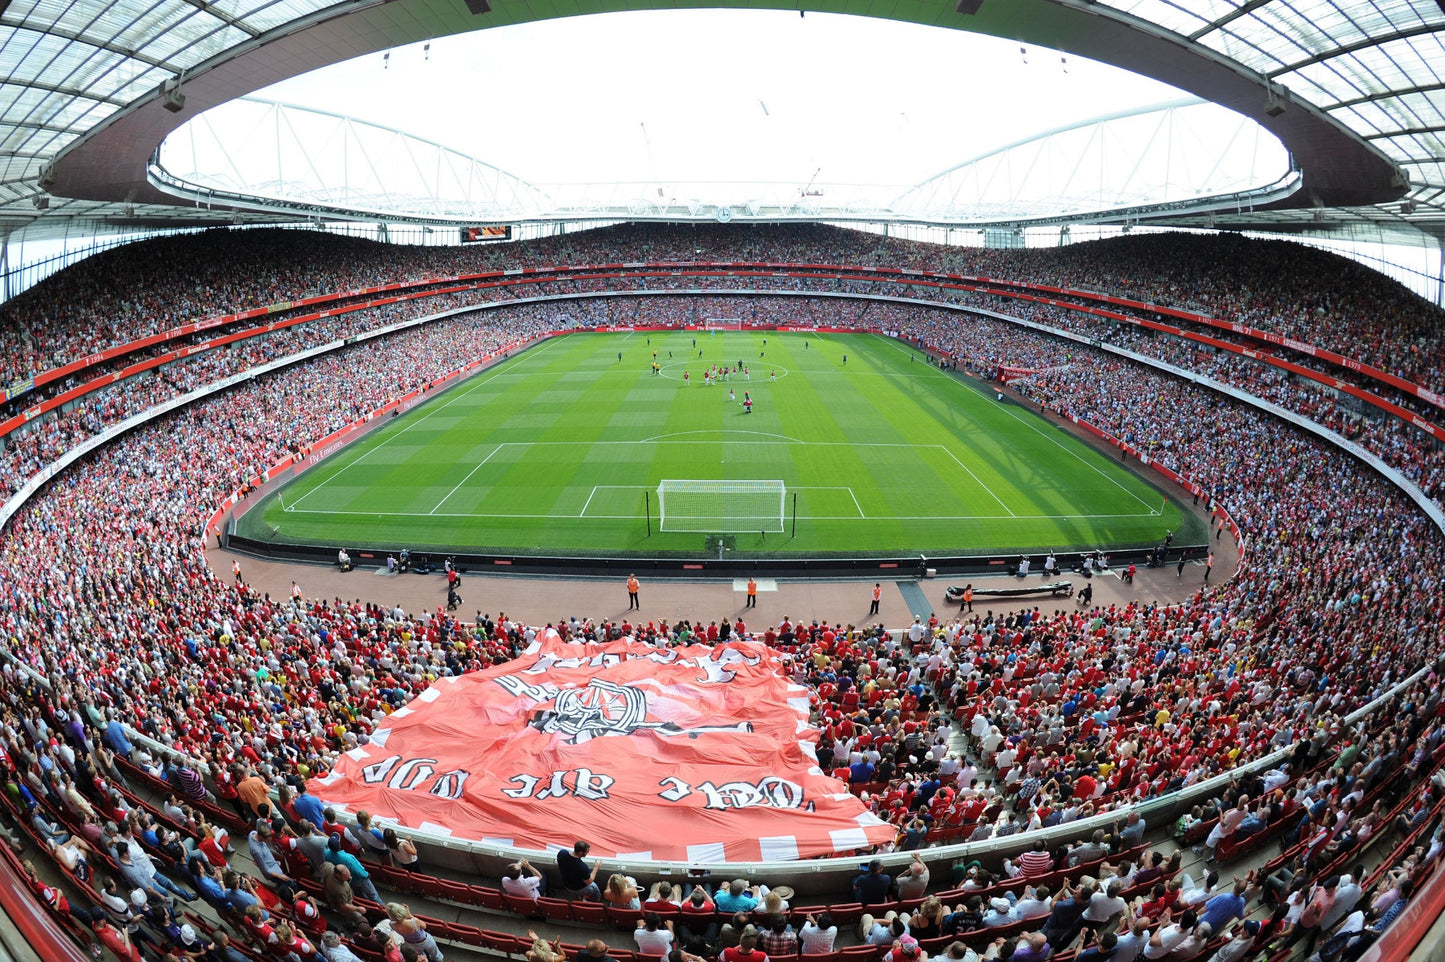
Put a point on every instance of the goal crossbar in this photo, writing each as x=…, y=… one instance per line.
x=694, y=504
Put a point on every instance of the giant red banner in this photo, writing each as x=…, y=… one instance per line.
x=691, y=754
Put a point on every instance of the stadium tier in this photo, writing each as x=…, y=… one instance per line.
x=129, y=659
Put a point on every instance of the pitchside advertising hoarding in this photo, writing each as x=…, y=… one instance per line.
x=697, y=753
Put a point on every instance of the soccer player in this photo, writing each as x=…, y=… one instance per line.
x=684, y=379
x=747, y=403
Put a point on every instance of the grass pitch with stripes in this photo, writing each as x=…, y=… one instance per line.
x=552, y=451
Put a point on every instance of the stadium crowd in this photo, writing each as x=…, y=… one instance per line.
x=1066, y=714
x=1287, y=289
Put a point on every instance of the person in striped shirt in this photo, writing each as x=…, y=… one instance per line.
x=1031, y=864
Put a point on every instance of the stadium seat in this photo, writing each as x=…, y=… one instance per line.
x=500, y=941
x=589, y=913
x=440, y=929
x=490, y=898
x=523, y=906
x=625, y=919
x=360, y=951
x=468, y=934
x=846, y=913
x=428, y=886
x=556, y=910
x=459, y=892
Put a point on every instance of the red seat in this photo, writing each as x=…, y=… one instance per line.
x=361, y=952
x=556, y=910
x=468, y=934
x=441, y=930
x=428, y=886
x=845, y=913
x=858, y=953
x=626, y=919
x=498, y=941
x=490, y=898
x=589, y=913
x=523, y=906
x=459, y=892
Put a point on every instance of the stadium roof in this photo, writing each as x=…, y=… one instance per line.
x=1355, y=90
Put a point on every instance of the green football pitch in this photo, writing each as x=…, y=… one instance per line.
x=560, y=449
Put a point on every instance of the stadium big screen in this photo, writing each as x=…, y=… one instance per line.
x=486, y=232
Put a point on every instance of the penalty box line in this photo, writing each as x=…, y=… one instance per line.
x=457, y=392
x=801, y=487
x=361, y=513
x=751, y=440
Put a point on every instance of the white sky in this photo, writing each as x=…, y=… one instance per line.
x=858, y=100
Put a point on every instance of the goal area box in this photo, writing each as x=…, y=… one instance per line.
x=720, y=506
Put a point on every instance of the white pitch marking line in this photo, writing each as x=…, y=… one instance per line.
x=856, y=504
x=469, y=476
x=457, y=396
x=630, y=517
x=583, y=512
x=1075, y=455
x=978, y=479
x=680, y=434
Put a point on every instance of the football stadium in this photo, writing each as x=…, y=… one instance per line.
x=485, y=480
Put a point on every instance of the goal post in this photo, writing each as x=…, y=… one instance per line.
x=688, y=504
x=723, y=324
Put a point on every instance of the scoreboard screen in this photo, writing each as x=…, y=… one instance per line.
x=491, y=232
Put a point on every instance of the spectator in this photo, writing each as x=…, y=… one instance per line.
x=522, y=880
x=872, y=887
x=579, y=880
x=818, y=934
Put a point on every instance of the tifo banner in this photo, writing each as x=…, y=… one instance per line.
x=699, y=753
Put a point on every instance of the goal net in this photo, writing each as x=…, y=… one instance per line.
x=723, y=324
x=720, y=506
